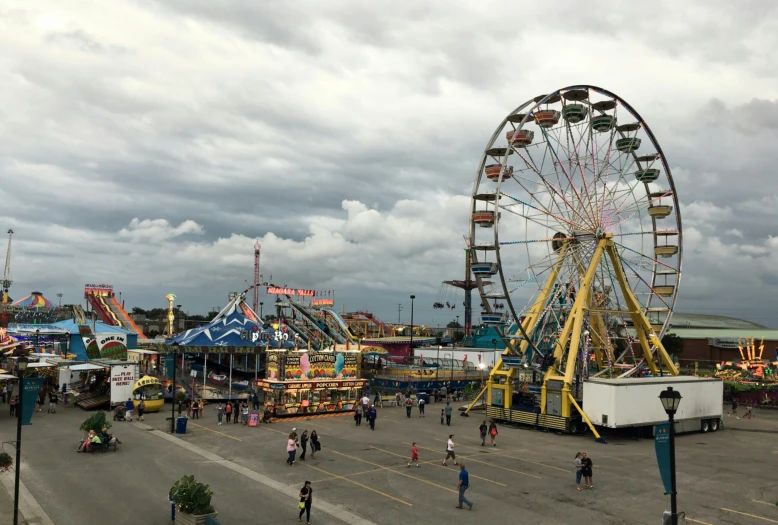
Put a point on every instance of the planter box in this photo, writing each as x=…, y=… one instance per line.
x=183, y=518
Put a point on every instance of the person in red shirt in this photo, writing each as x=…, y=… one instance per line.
x=414, y=455
x=228, y=411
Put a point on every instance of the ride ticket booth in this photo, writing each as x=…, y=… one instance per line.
x=311, y=382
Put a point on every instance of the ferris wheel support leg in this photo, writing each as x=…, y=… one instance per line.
x=571, y=334
x=645, y=332
x=540, y=304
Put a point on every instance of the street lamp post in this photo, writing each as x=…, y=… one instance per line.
x=670, y=400
x=21, y=364
x=260, y=311
x=457, y=326
x=37, y=340
x=59, y=295
x=175, y=391
x=411, y=344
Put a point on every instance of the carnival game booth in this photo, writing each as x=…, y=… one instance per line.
x=311, y=382
x=43, y=338
x=235, y=336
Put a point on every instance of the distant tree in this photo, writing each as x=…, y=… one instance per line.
x=153, y=334
x=453, y=324
x=138, y=311
x=673, y=344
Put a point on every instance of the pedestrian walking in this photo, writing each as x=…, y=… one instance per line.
x=306, y=500
x=483, y=430
x=291, y=448
x=201, y=407
x=421, y=407
x=408, y=406
x=578, y=470
x=9, y=391
x=372, y=414
x=358, y=416
x=748, y=414
x=195, y=409
x=448, y=413
x=493, y=433
x=245, y=411
x=315, y=444
x=462, y=486
x=586, y=466
x=414, y=455
x=303, y=444
x=128, y=406
x=450, y=446
x=219, y=412
x=442, y=416
x=734, y=410
x=41, y=399
x=228, y=411
x=141, y=409
x=365, y=405
x=12, y=404
x=53, y=402
x=235, y=412
x=255, y=401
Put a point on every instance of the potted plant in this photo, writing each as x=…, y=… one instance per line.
x=192, y=500
x=5, y=461
x=96, y=422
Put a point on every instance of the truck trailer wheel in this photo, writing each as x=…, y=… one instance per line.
x=573, y=428
x=714, y=425
x=705, y=426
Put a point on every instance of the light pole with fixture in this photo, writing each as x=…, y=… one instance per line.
x=175, y=391
x=59, y=295
x=260, y=311
x=670, y=400
x=37, y=340
x=411, y=344
x=21, y=365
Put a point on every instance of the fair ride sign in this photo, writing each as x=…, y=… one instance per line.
x=301, y=292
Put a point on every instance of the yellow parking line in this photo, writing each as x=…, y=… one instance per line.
x=470, y=458
x=335, y=477
x=436, y=464
x=763, y=502
x=698, y=521
x=371, y=489
x=749, y=515
x=391, y=470
x=214, y=431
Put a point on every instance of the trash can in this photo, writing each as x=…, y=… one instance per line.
x=425, y=396
x=181, y=425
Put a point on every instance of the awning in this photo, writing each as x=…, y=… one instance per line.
x=86, y=366
x=7, y=376
x=40, y=364
x=144, y=352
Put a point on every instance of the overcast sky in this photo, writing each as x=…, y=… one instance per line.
x=149, y=144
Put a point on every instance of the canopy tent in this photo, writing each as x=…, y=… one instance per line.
x=235, y=330
x=86, y=366
x=34, y=300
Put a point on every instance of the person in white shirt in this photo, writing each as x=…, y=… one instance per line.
x=421, y=407
x=365, y=405
x=450, y=450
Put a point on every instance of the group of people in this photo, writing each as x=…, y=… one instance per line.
x=583, y=469
x=367, y=411
x=93, y=439
x=293, y=443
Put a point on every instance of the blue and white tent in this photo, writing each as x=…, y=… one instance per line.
x=236, y=329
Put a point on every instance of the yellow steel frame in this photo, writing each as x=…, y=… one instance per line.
x=568, y=343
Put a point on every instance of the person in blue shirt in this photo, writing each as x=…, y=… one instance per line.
x=464, y=483
x=128, y=406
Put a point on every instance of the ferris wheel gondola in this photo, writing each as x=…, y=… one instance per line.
x=575, y=215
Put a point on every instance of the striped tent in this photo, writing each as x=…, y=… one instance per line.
x=34, y=300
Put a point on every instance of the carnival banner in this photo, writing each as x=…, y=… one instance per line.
x=106, y=345
x=31, y=387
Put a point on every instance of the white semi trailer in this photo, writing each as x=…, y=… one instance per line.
x=634, y=402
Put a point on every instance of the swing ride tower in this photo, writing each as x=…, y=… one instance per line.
x=574, y=214
x=468, y=285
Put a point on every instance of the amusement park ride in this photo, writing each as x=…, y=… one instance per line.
x=574, y=210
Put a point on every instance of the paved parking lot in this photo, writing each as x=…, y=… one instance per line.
x=723, y=477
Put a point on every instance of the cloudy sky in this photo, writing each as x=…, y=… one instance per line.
x=149, y=144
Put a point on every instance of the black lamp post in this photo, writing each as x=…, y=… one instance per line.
x=21, y=365
x=670, y=400
x=260, y=311
x=175, y=391
x=411, y=344
x=37, y=338
x=437, y=368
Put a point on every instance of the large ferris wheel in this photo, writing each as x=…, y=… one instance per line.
x=576, y=236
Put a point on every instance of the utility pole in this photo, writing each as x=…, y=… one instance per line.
x=399, y=309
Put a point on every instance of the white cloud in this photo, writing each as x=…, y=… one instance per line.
x=156, y=230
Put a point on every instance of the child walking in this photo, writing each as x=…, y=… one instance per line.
x=414, y=455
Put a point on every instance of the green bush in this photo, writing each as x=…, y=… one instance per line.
x=95, y=422
x=191, y=496
x=5, y=460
